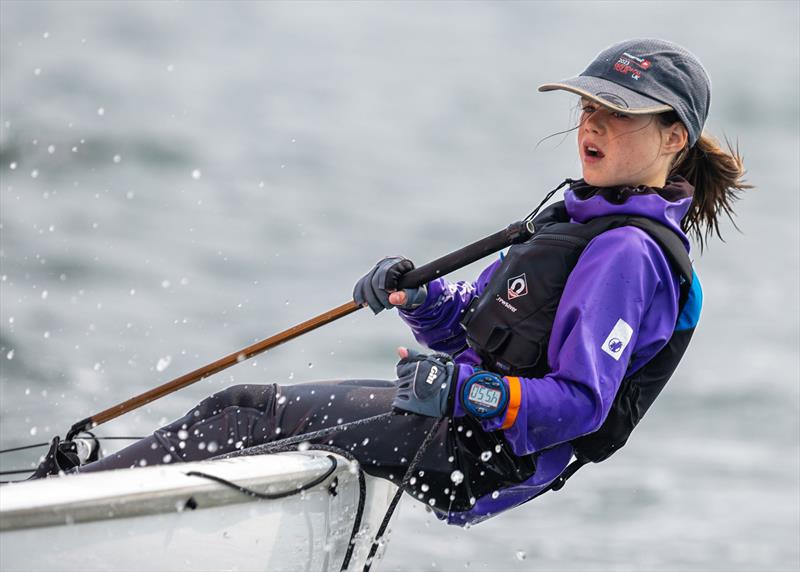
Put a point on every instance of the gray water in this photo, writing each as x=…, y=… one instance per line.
x=182, y=179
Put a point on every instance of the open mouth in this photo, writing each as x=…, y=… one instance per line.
x=592, y=151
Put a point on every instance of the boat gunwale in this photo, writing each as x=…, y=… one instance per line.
x=170, y=492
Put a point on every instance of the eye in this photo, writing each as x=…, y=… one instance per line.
x=588, y=108
x=618, y=115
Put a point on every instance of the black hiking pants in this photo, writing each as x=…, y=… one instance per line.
x=246, y=415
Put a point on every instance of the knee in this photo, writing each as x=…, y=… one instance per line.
x=242, y=395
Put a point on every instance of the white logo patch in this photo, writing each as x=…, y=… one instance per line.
x=618, y=339
x=517, y=286
x=432, y=375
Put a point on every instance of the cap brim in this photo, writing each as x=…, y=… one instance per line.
x=609, y=94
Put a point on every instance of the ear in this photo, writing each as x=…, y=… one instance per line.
x=674, y=137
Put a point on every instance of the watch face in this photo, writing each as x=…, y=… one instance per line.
x=483, y=396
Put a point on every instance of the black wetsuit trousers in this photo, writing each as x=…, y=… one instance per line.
x=247, y=415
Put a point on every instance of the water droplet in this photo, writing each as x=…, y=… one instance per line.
x=495, y=494
x=44, y=294
x=310, y=365
x=365, y=441
x=46, y=335
x=34, y=173
x=12, y=165
x=432, y=501
x=424, y=487
x=212, y=447
x=498, y=448
x=37, y=71
x=51, y=149
x=117, y=158
x=521, y=555
x=304, y=446
x=10, y=355
x=196, y=174
x=46, y=35
x=486, y=455
x=163, y=363
x=170, y=68
x=165, y=283
x=101, y=111
x=183, y=434
x=412, y=480
x=457, y=477
x=34, y=430
x=281, y=400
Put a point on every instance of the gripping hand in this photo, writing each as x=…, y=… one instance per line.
x=374, y=287
x=424, y=384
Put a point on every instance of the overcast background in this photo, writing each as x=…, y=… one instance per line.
x=181, y=179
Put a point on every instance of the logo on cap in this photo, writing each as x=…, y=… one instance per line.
x=626, y=62
x=643, y=63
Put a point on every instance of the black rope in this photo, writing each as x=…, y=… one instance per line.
x=11, y=450
x=292, y=444
x=396, y=499
x=25, y=447
x=35, y=445
x=297, y=439
x=16, y=472
x=269, y=496
x=362, y=494
x=546, y=198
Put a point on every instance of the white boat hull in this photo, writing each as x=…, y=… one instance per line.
x=141, y=519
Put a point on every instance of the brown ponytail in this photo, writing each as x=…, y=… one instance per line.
x=717, y=175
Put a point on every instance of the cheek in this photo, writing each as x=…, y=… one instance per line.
x=639, y=148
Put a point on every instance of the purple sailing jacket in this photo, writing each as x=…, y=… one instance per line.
x=621, y=275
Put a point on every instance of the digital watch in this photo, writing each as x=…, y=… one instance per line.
x=484, y=395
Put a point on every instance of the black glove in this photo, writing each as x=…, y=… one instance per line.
x=375, y=286
x=424, y=384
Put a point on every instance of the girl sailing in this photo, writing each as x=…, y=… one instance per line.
x=552, y=355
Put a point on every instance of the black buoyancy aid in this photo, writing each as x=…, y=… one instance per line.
x=514, y=342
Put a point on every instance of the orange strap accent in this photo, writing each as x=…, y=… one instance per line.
x=514, y=399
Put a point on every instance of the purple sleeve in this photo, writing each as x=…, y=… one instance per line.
x=621, y=300
x=436, y=323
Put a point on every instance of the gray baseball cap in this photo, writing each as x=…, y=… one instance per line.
x=643, y=76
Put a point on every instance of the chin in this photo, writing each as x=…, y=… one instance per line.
x=597, y=181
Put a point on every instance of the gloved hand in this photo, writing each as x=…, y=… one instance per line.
x=424, y=383
x=375, y=287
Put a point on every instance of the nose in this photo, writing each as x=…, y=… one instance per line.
x=593, y=122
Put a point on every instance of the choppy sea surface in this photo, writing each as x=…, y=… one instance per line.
x=178, y=180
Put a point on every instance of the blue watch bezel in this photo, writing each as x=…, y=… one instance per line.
x=486, y=379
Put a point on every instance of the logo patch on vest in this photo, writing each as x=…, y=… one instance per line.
x=517, y=286
x=618, y=339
